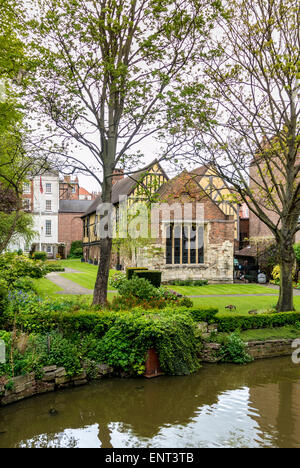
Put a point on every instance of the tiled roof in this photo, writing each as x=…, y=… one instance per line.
x=74, y=206
x=121, y=188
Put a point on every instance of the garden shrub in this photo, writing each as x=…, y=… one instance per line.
x=138, y=287
x=117, y=279
x=205, y=314
x=232, y=322
x=130, y=271
x=76, y=249
x=39, y=351
x=153, y=276
x=53, y=266
x=3, y=297
x=234, y=350
x=172, y=335
x=13, y=266
x=39, y=256
x=189, y=282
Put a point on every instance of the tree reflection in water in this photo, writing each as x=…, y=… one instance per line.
x=222, y=405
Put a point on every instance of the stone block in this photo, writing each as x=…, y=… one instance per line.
x=60, y=372
x=49, y=369
x=48, y=376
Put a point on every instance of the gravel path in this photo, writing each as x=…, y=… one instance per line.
x=68, y=286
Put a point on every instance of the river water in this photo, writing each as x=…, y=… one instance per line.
x=257, y=405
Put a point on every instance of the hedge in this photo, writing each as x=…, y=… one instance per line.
x=130, y=271
x=204, y=314
x=153, y=276
x=229, y=323
x=39, y=256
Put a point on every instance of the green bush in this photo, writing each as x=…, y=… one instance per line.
x=3, y=296
x=130, y=272
x=172, y=335
x=228, y=322
x=234, y=350
x=75, y=245
x=53, y=266
x=138, y=287
x=39, y=351
x=13, y=266
x=204, y=314
x=39, y=256
x=117, y=279
x=189, y=282
x=153, y=276
x=120, y=339
x=24, y=284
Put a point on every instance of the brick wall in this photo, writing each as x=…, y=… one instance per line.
x=69, y=229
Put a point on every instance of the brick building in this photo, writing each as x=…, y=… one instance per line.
x=197, y=245
x=70, y=223
x=194, y=245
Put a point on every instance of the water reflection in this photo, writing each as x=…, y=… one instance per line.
x=222, y=406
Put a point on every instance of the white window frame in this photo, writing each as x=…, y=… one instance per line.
x=47, y=224
x=49, y=201
x=47, y=185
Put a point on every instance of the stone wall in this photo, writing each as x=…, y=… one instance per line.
x=54, y=378
x=256, y=349
x=218, y=266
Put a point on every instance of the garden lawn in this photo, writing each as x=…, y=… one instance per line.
x=88, y=276
x=223, y=289
x=45, y=287
x=243, y=304
x=261, y=334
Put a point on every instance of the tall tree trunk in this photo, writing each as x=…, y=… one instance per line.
x=105, y=242
x=101, y=285
x=287, y=261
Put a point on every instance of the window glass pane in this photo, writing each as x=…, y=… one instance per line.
x=193, y=234
x=48, y=228
x=201, y=245
x=48, y=205
x=48, y=188
x=169, y=244
x=185, y=244
x=177, y=244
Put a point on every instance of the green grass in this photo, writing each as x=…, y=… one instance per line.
x=88, y=277
x=261, y=334
x=243, y=304
x=88, y=274
x=45, y=287
x=223, y=289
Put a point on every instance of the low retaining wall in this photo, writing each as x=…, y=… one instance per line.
x=54, y=378
x=256, y=349
x=270, y=348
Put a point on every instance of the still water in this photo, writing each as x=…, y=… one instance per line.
x=257, y=405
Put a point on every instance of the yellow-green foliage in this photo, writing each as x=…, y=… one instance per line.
x=276, y=272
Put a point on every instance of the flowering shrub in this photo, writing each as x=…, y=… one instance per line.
x=117, y=279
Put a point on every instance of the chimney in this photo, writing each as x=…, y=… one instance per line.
x=118, y=175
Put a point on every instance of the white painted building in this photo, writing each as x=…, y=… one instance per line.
x=45, y=211
x=41, y=198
